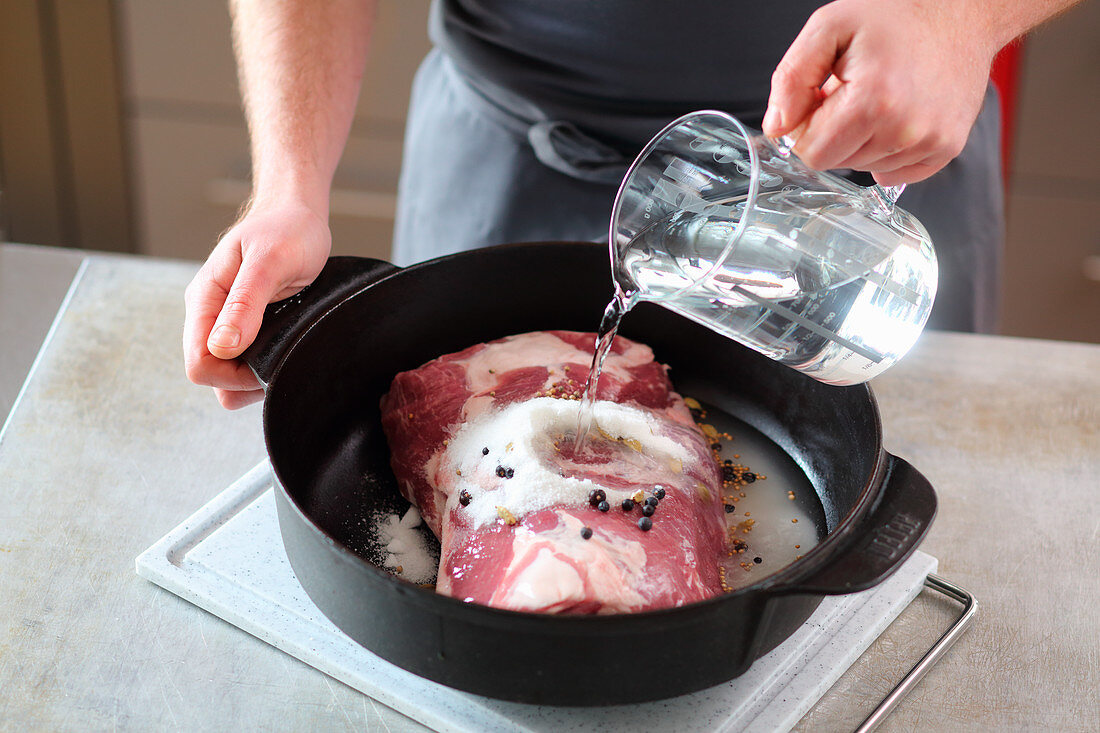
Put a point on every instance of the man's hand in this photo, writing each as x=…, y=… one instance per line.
x=890, y=87
x=270, y=255
x=300, y=64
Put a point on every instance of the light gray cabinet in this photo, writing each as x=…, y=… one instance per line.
x=189, y=144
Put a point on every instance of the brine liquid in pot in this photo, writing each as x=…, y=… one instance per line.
x=774, y=516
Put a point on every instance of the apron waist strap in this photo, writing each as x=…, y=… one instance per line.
x=558, y=144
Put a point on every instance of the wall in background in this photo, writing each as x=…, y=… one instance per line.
x=108, y=102
x=63, y=170
x=1052, y=258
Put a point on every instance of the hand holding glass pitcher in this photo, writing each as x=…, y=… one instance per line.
x=728, y=228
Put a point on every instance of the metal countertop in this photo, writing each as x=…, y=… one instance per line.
x=110, y=447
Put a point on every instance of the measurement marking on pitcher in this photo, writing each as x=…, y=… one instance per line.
x=810, y=325
x=907, y=294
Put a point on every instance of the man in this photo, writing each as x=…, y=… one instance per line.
x=525, y=116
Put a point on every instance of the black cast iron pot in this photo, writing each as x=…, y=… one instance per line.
x=329, y=353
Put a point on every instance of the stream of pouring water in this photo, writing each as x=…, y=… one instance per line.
x=609, y=325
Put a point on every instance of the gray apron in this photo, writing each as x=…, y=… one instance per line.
x=482, y=166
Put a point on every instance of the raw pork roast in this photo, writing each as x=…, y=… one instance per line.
x=481, y=443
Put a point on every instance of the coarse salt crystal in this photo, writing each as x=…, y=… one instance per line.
x=526, y=477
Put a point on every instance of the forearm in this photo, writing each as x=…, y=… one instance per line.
x=300, y=64
x=975, y=29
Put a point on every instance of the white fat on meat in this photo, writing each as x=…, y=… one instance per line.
x=521, y=437
x=556, y=569
x=483, y=367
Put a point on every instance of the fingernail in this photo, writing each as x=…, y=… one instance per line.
x=771, y=119
x=225, y=337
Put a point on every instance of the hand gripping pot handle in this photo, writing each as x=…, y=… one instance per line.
x=882, y=539
x=286, y=320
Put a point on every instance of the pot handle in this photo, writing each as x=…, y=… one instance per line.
x=882, y=540
x=286, y=320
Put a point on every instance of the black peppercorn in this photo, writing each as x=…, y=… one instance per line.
x=628, y=504
x=648, y=509
x=603, y=506
x=758, y=560
x=484, y=451
x=652, y=501
x=730, y=508
x=595, y=496
x=586, y=533
x=645, y=523
x=501, y=471
x=464, y=498
x=509, y=472
x=660, y=492
x=716, y=446
x=748, y=478
x=728, y=474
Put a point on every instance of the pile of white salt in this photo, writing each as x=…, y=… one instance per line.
x=405, y=548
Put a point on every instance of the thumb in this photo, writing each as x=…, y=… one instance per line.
x=239, y=320
x=796, y=83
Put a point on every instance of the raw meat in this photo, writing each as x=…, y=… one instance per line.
x=481, y=442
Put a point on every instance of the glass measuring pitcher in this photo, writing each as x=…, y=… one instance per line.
x=728, y=228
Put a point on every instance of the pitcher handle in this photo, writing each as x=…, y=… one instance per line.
x=784, y=144
x=884, y=196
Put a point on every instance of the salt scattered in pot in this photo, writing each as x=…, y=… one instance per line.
x=405, y=547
